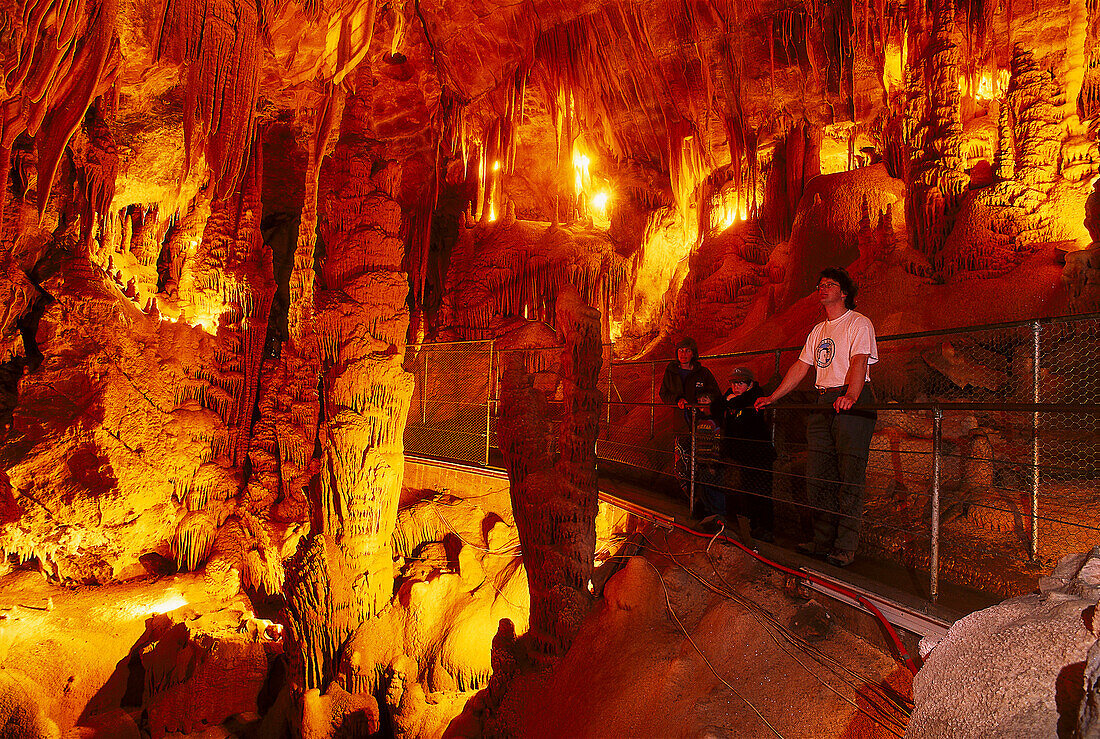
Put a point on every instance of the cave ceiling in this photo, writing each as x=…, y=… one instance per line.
x=181, y=84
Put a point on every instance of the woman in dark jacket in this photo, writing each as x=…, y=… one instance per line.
x=748, y=450
x=684, y=382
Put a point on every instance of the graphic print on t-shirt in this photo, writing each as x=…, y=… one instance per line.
x=825, y=351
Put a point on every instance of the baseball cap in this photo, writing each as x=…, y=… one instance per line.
x=742, y=374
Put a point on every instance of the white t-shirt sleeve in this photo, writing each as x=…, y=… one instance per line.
x=863, y=339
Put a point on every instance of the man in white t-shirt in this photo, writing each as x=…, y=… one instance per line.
x=840, y=348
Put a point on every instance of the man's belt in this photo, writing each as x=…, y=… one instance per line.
x=838, y=388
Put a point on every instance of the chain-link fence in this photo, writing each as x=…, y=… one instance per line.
x=999, y=423
x=543, y=363
x=449, y=412
x=996, y=428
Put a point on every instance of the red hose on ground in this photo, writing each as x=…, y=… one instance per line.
x=902, y=652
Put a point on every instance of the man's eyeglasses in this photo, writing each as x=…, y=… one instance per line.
x=825, y=285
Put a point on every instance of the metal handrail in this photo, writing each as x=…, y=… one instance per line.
x=1029, y=323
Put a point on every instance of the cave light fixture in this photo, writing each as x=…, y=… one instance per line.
x=987, y=87
x=617, y=328
x=581, y=177
x=727, y=210
x=893, y=66
x=171, y=603
x=142, y=606
x=598, y=208
x=395, y=55
x=203, y=319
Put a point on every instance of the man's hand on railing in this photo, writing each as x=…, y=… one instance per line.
x=843, y=403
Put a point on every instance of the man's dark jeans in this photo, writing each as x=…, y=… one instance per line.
x=836, y=468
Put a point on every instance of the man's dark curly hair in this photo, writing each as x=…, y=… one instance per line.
x=847, y=284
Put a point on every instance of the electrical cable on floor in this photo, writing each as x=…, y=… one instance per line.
x=800, y=643
x=668, y=604
x=512, y=551
x=772, y=626
x=903, y=653
x=787, y=633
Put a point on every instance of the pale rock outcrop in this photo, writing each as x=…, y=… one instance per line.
x=1024, y=668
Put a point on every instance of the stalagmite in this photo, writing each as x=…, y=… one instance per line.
x=554, y=495
x=1034, y=98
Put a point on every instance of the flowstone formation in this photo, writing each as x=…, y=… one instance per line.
x=1027, y=667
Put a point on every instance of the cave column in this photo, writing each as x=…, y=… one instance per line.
x=554, y=497
x=362, y=320
x=342, y=574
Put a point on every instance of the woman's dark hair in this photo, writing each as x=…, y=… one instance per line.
x=847, y=285
x=689, y=343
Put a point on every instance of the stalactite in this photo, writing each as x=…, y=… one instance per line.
x=192, y=540
x=145, y=234
x=579, y=69
x=796, y=160
x=252, y=263
x=98, y=175
x=220, y=44
x=64, y=56
x=526, y=282
x=936, y=183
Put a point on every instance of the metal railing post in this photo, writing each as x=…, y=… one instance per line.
x=937, y=448
x=424, y=388
x=1036, y=328
x=691, y=485
x=652, y=396
x=489, y=404
x=610, y=384
x=778, y=356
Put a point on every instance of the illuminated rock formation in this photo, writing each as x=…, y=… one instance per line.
x=1036, y=646
x=554, y=492
x=221, y=223
x=343, y=572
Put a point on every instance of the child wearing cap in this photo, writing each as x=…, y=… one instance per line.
x=749, y=454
